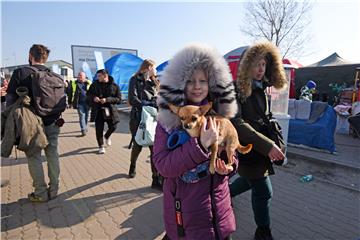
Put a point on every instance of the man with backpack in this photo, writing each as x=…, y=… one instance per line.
x=46, y=91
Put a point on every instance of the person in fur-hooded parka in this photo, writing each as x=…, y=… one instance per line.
x=206, y=211
x=274, y=74
x=180, y=70
x=260, y=67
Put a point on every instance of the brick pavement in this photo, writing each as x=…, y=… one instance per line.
x=98, y=201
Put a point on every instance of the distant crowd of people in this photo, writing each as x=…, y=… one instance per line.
x=196, y=203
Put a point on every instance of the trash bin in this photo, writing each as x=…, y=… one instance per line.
x=342, y=124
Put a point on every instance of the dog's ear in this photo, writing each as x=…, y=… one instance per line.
x=174, y=109
x=205, y=108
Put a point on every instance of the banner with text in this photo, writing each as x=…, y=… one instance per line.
x=89, y=55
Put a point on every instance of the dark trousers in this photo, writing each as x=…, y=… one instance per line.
x=99, y=128
x=261, y=194
x=135, y=152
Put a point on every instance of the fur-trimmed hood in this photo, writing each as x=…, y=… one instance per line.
x=180, y=70
x=274, y=75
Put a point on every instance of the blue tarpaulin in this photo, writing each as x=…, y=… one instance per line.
x=317, y=135
x=121, y=67
x=161, y=67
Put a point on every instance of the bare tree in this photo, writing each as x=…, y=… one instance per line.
x=283, y=22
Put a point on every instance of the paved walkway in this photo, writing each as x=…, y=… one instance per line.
x=98, y=201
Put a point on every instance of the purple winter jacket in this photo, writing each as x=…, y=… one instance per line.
x=195, y=197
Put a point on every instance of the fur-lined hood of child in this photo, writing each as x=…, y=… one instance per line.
x=180, y=70
x=274, y=76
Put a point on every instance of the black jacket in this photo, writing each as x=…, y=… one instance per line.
x=140, y=93
x=256, y=163
x=111, y=92
x=252, y=98
x=22, y=77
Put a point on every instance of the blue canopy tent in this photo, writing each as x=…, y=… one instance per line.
x=161, y=67
x=121, y=67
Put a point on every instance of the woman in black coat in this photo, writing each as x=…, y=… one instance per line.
x=143, y=88
x=260, y=67
x=103, y=97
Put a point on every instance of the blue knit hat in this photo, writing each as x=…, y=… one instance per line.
x=311, y=84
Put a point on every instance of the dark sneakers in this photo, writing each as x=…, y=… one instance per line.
x=132, y=171
x=52, y=193
x=132, y=174
x=263, y=233
x=157, y=183
x=36, y=198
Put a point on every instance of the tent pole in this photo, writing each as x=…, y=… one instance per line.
x=357, y=70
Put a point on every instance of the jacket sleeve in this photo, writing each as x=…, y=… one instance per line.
x=70, y=93
x=132, y=94
x=91, y=93
x=247, y=134
x=116, y=99
x=74, y=94
x=173, y=163
x=11, y=95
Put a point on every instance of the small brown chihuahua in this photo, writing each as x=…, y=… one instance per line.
x=193, y=118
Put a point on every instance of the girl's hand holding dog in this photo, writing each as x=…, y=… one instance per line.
x=221, y=168
x=220, y=165
x=210, y=135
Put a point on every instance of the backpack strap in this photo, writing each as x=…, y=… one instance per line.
x=178, y=213
x=33, y=69
x=212, y=203
x=179, y=220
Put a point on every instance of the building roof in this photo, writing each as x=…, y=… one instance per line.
x=61, y=63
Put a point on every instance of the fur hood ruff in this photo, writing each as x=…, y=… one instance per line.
x=180, y=70
x=274, y=75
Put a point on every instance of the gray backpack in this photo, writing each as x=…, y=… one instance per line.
x=48, y=90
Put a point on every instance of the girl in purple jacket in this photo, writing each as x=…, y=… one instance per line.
x=197, y=205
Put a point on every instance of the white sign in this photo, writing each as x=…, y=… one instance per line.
x=99, y=60
x=82, y=55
